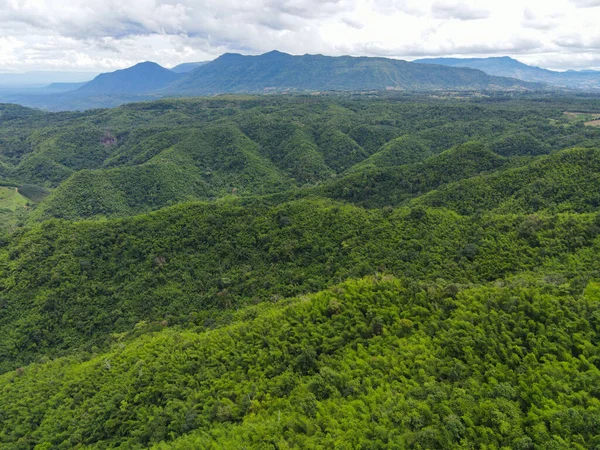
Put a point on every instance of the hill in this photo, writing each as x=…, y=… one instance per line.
x=509, y=67
x=86, y=281
x=195, y=168
x=395, y=185
x=374, y=152
x=271, y=72
x=562, y=181
x=373, y=363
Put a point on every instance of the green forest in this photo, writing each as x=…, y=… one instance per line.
x=352, y=271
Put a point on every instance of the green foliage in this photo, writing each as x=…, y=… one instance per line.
x=34, y=193
x=376, y=187
x=520, y=144
x=563, y=181
x=383, y=272
x=194, y=257
x=398, y=152
x=376, y=363
x=256, y=146
x=13, y=207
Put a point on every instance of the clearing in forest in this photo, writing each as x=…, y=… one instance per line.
x=593, y=123
x=11, y=199
x=588, y=119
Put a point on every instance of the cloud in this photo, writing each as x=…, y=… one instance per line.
x=86, y=19
x=460, y=11
x=109, y=34
x=576, y=42
x=410, y=7
x=586, y=3
x=416, y=50
x=541, y=22
x=352, y=23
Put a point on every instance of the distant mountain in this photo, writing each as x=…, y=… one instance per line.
x=271, y=72
x=508, y=67
x=188, y=67
x=583, y=71
x=55, y=88
x=276, y=71
x=42, y=79
x=141, y=78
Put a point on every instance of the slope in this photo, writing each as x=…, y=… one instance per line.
x=206, y=164
x=376, y=187
x=563, y=181
x=371, y=363
x=187, y=67
x=70, y=286
x=13, y=206
x=467, y=317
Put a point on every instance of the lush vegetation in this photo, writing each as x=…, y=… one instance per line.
x=375, y=152
x=368, y=364
x=298, y=272
x=13, y=205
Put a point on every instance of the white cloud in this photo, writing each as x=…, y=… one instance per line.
x=586, y=3
x=110, y=34
x=460, y=11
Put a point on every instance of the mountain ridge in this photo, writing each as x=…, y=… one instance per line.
x=268, y=73
x=278, y=71
x=510, y=67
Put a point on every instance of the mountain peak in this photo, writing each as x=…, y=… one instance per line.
x=275, y=54
x=145, y=64
x=228, y=56
x=143, y=77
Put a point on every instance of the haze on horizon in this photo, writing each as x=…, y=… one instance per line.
x=105, y=35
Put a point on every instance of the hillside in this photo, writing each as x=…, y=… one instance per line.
x=376, y=152
x=509, y=67
x=563, y=181
x=398, y=271
x=364, y=364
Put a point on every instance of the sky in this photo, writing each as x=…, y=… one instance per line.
x=105, y=35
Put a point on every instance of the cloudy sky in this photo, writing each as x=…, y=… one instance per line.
x=101, y=35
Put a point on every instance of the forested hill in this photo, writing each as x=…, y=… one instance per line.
x=376, y=152
x=407, y=271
